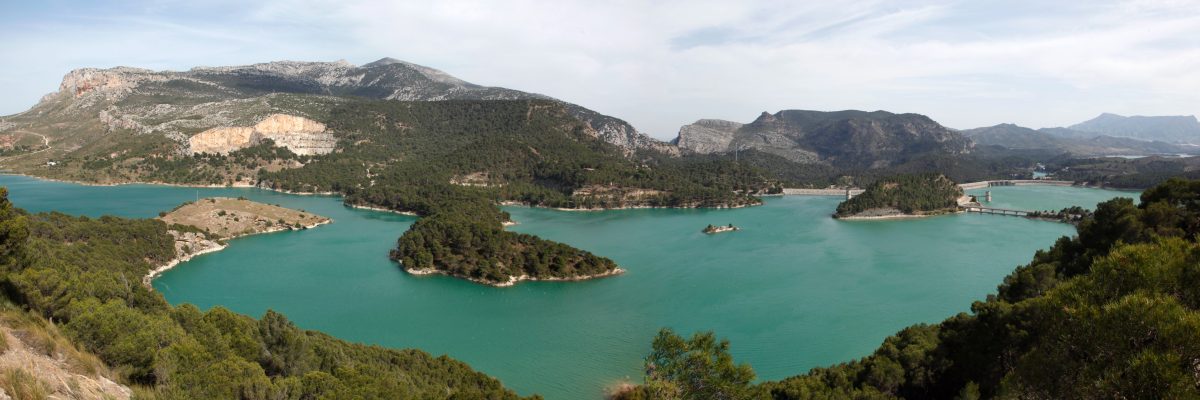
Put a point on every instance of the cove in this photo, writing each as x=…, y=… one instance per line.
x=793, y=290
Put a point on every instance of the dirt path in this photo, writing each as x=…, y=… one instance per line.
x=45, y=146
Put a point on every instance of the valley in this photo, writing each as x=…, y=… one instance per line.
x=452, y=236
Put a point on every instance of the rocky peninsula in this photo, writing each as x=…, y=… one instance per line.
x=203, y=226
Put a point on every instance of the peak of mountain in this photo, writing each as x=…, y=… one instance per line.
x=382, y=62
x=180, y=103
x=1012, y=136
x=1178, y=128
x=849, y=138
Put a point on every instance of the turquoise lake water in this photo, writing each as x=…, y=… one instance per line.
x=793, y=290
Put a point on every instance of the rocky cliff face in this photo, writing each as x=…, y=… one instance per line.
x=845, y=138
x=301, y=135
x=707, y=135
x=179, y=104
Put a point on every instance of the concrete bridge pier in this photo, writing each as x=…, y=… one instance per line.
x=987, y=196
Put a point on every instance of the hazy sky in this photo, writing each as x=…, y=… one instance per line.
x=662, y=64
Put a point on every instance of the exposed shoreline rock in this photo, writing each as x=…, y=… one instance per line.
x=714, y=229
x=513, y=280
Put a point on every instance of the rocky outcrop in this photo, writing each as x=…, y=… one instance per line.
x=113, y=81
x=222, y=140
x=854, y=139
x=301, y=135
x=707, y=135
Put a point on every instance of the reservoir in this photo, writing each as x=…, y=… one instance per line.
x=794, y=289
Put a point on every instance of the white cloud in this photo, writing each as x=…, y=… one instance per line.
x=663, y=64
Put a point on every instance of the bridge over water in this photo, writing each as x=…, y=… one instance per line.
x=1014, y=182
x=996, y=211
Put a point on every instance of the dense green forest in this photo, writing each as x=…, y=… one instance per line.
x=85, y=274
x=467, y=240
x=1111, y=312
x=911, y=194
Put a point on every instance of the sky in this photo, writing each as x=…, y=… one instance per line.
x=663, y=64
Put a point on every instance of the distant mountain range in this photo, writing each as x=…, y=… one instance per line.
x=164, y=112
x=849, y=139
x=1175, y=129
x=1067, y=140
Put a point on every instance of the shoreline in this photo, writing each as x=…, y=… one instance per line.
x=379, y=209
x=646, y=208
x=158, y=271
x=241, y=185
x=512, y=280
x=238, y=185
x=893, y=216
x=179, y=259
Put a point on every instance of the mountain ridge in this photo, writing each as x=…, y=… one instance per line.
x=1066, y=140
x=1171, y=128
x=847, y=138
x=130, y=98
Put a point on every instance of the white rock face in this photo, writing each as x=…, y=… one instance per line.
x=222, y=140
x=707, y=136
x=301, y=135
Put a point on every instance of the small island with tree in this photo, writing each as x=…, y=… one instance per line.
x=713, y=229
x=903, y=196
x=469, y=242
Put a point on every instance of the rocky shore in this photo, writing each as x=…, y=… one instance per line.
x=888, y=213
x=714, y=229
x=380, y=209
x=219, y=219
x=513, y=280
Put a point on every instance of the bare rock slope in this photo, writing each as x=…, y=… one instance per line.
x=37, y=361
x=301, y=135
x=855, y=139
